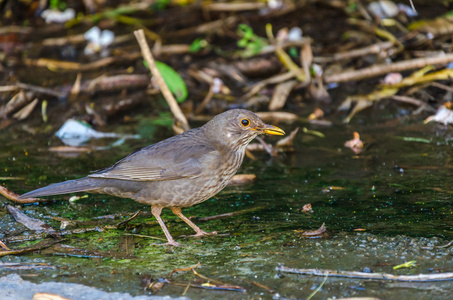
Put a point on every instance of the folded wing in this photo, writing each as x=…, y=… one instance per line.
x=155, y=163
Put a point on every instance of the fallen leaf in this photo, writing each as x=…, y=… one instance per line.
x=319, y=231
x=239, y=179
x=355, y=144
x=307, y=208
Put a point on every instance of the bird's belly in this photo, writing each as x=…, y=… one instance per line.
x=182, y=192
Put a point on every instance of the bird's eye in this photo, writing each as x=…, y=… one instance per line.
x=245, y=122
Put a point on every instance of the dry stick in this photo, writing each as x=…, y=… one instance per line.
x=8, y=88
x=412, y=101
x=18, y=101
x=41, y=90
x=128, y=220
x=39, y=246
x=232, y=7
x=184, y=269
x=4, y=246
x=378, y=70
x=272, y=80
x=207, y=27
x=174, y=107
x=442, y=86
x=438, y=247
x=230, y=214
x=13, y=197
x=41, y=235
x=206, y=100
x=73, y=66
x=363, y=275
x=372, y=49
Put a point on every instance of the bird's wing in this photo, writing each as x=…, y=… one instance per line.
x=155, y=163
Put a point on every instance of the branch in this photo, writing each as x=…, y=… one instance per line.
x=174, y=107
x=363, y=275
x=378, y=70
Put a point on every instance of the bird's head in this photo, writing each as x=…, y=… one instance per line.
x=236, y=128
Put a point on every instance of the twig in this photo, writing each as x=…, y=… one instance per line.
x=231, y=7
x=37, y=236
x=234, y=288
x=272, y=80
x=41, y=90
x=8, y=88
x=231, y=214
x=184, y=269
x=174, y=107
x=442, y=86
x=372, y=49
x=18, y=101
x=284, y=57
x=206, y=100
x=438, y=247
x=213, y=26
x=73, y=66
x=25, y=266
x=4, y=246
x=378, y=70
x=128, y=220
x=319, y=287
x=13, y=197
x=412, y=101
x=267, y=147
x=39, y=246
x=146, y=236
x=277, y=116
x=207, y=278
x=363, y=275
x=263, y=286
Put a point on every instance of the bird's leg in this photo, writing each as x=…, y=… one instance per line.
x=198, y=230
x=156, y=210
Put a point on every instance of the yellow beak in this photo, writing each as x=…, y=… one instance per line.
x=269, y=129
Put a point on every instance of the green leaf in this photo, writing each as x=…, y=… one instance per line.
x=198, y=44
x=173, y=81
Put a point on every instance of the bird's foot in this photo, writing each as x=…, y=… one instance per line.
x=173, y=243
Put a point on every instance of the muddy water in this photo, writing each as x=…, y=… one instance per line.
x=397, y=192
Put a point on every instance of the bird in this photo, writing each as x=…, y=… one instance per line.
x=177, y=172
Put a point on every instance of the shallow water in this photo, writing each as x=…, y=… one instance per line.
x=397, y=190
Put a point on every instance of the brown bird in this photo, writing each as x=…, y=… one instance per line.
x=181, y=171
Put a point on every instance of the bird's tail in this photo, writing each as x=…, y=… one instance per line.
x=65, y=187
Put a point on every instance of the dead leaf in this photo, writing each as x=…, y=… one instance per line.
x=281, y=93
x=317, y=232
x=307, y=208
x=30, y=223
x=287, y=142
x=239, y=179
x=24, y=112
x=355, y=144
x=359, y=229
